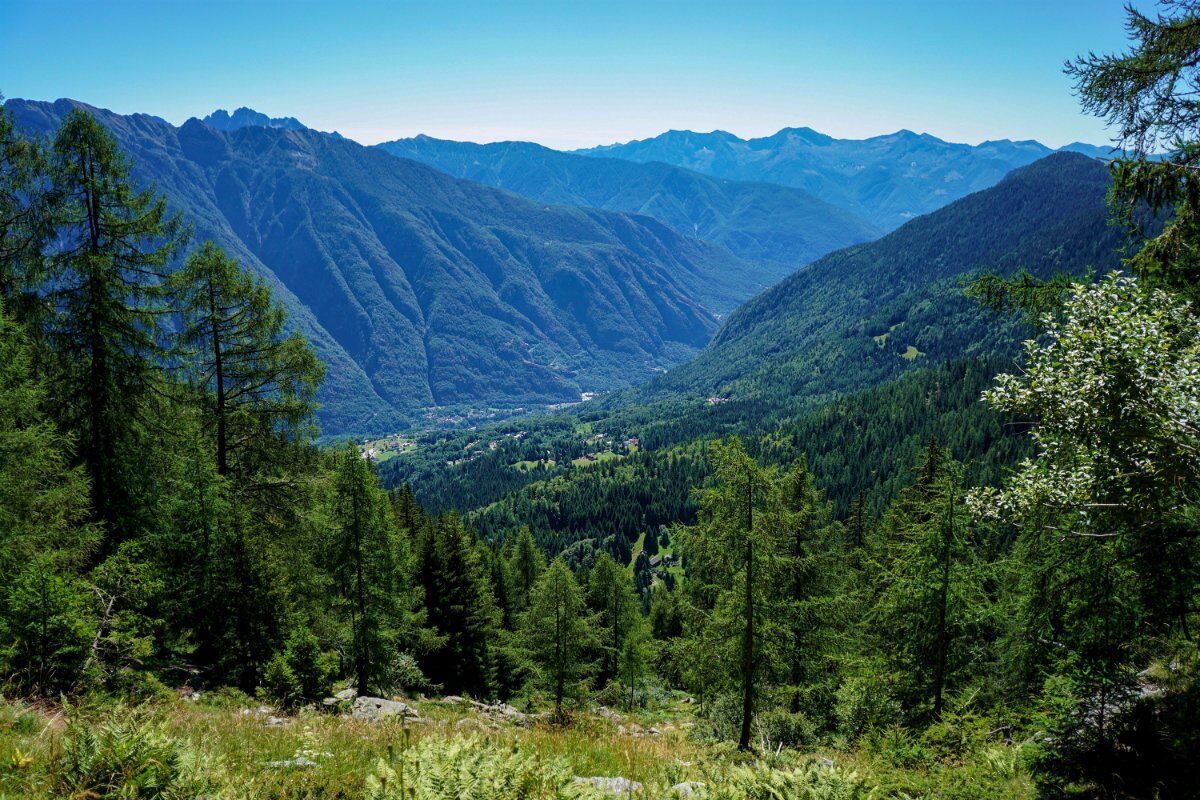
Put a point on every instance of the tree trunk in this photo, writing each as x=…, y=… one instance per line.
x=943, y=634
x=748, y=638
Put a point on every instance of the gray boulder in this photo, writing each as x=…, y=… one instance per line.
x=621, y=787
x=376, y=708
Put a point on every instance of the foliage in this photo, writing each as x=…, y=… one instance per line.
x=556, y=634
x=128, y=757
x=458, y=768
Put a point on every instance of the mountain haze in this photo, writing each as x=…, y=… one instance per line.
x=419, y=289
x=757, y=221
x=887, y=180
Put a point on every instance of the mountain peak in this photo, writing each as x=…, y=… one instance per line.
x=245, y=117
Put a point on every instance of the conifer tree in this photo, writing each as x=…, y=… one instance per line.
x=813, y=569
x=115, y=245
x=556, y=633
x=611, y=598
x=43, y=503
x=733, y=562
x=368, y=571
x=930, y=601
x=256, y=385
x=460, y=608
x=27, y=210
x=527, y=566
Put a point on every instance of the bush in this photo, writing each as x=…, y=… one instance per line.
x=864, y=704
x=779, y=726
x=310, y=669
x=46, y=627
x=279, y=684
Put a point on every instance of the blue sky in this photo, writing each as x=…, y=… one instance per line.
x=573, y=74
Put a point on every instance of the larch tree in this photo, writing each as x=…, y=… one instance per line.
x=527, y=566
x=733, y=575
x=115, y=246
x=368, y=570
x=27, y=209
x=556, y=633
x=611, y=597
x=255, y=382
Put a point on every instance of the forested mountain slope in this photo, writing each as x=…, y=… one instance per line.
x=866, y=314
x=421, y=289
x=757, y=221
x=885, y=179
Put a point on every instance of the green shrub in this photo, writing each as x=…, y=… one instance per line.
x=310, y=668
x=778, y=726
x=128, y=757
x=279, y=683
x=864, y=704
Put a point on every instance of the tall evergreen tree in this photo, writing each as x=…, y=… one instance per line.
x=114, y=247
x=611, y=598
x=930, y=597
x=43, y=503
x=460, y=608
x=27, y=208
x=813, y=569
x=527, y=566
x=734, y=574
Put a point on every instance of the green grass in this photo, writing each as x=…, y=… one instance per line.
x=911, y=354
x=213, y=742
x=597, y=458
x=526, y=466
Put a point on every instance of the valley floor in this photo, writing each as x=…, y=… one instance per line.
x=226, y=745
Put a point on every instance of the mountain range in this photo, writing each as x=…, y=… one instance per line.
x=866, y=314
x=886, y=180
x=419, y=289
x=422, y=287
x=757, y=221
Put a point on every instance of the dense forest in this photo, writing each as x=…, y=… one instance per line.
x=903, y=568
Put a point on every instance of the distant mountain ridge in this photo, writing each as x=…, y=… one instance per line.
x=885, y=179
x=756, y=221
x=419, y=289
x=244, y=117
x=866, y=314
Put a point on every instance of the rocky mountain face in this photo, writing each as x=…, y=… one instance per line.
x=419, y=289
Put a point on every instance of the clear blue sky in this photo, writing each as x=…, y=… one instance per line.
x=572, y=74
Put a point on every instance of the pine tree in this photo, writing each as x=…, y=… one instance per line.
x=556, y=633
x=115, y=245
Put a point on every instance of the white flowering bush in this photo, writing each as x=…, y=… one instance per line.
x=1113, y=391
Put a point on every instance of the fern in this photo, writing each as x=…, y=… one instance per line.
x=129, y=757
x=462, y=768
